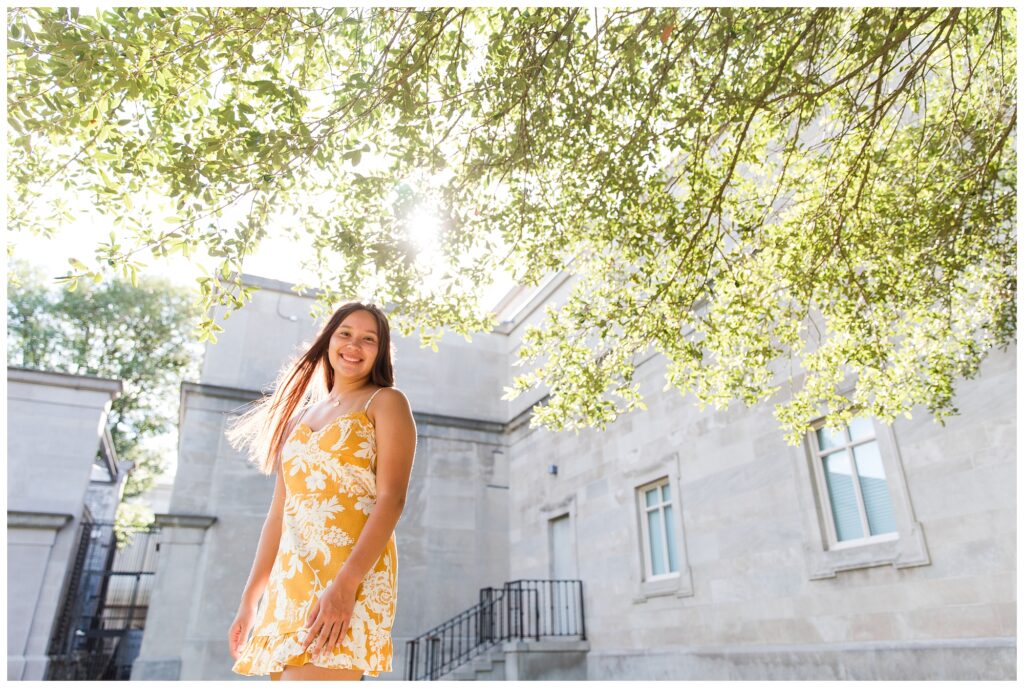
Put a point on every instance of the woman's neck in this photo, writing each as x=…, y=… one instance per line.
x=345, y=388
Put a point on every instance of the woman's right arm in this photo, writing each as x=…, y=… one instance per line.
x=270, y=538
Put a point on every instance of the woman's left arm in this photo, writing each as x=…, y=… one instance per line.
x=395, y=432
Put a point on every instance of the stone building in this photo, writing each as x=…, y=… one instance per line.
x=707, y=547
x=56, y=482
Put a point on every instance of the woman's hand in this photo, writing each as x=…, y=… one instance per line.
x=328, y=619
x=240, y=627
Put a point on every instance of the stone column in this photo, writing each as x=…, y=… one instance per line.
x=55, y=423
x=174, y=590
x=39, y=545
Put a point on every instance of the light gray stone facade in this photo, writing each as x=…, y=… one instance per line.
x=751, y=601
x=761, y=588
x=55, y=423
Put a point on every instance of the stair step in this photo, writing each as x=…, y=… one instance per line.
x=481, y=667
x=485, y=662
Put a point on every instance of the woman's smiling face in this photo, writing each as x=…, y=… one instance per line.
x=354, y=345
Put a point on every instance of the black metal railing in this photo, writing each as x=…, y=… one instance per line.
x=99, y=630
x=528, y=608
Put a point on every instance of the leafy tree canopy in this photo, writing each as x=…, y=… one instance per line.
x=770, y=198
x=139, y=335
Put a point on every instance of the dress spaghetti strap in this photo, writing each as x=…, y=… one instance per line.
x=367, y=404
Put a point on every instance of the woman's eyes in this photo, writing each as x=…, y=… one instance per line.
x=366, y=339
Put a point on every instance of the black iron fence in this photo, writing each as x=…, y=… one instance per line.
x=529, y=608
x=99, y=630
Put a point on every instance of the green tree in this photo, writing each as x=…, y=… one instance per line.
x=749, y=191
x=139, y=335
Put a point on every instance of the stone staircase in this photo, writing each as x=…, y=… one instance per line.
x=527, y=660
x=487, y=666
x=527, y=629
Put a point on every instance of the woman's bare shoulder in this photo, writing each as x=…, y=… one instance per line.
x=393, y=397
x=389, y=401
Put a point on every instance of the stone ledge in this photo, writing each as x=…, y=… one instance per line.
x=185, y=520
x=65, y=380
x=865, y=646
x=156, y=669
x=270, y=284
x=487, y=426
x=991, y=658
x=219, y=392
x=37, y=519
x=546, y=645
x=248, y=396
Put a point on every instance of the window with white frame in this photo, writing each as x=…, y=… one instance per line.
x=661, y=548
x=851, y=473
x=856, y=511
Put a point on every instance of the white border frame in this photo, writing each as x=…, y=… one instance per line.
x=678, y=583
x=824, y=557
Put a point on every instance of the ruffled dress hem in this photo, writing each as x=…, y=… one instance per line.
x=263, y=654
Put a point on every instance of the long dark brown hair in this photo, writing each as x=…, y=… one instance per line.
x=263, y=429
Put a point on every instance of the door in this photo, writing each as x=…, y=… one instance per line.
x=563, y=570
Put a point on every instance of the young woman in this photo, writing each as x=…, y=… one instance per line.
x=327, y=560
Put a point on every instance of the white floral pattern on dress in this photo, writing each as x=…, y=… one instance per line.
x=315, y=481
x=331, y=488
x=365, y=504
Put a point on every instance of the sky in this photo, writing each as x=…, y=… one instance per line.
x=277, y=258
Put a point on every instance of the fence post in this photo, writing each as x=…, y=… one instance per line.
x=583, y=619
x=432, y=652
x=486, y=623
x=519, y=602
x=536, y=614
x=409, y=644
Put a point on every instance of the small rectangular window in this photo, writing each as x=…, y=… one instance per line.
x=855, y=482
x=659, y=533
x=856, y=510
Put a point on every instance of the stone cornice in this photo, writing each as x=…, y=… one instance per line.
x=459, y=422
x=185, y=520
x=219, y=391
x=45, y=520
x=65, y=380
x=268, y=284
x=249, y=395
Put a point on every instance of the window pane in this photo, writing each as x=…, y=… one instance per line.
x=840, y=491
x=874, y=489
x=670, y=530
x=664, y=493
x=861, y=428
x=828, y=439
x=655, y=542
x=651, y=496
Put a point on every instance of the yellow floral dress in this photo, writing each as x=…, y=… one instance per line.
x=330, y=481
